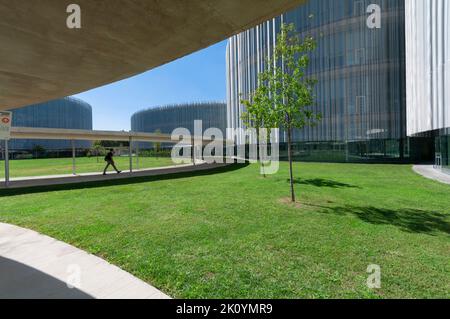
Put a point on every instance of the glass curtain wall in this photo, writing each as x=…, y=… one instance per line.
x=66, y=113
x=167, y=118
x=360, y=72
x=443, y=150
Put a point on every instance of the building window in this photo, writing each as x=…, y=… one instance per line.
x=358, y=8
x=360, y=56
x=360, y=104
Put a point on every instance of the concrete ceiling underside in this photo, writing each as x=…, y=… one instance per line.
x=41, y=59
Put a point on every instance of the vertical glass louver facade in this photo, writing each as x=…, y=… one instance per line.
x=443, y=150
x=167, y=118
x=66, y=113
x=428, y=74
x=361, y=79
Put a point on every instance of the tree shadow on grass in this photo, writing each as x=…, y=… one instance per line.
x=117, y=182
x=407, y=219
x=320, y=182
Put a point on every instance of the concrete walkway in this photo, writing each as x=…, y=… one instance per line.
x=430, y=172
x=95, y=177
x=37, y=266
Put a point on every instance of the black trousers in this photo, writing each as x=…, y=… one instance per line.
x=112, y=164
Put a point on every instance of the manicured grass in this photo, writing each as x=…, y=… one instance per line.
x=231, y=234
x=61, y=166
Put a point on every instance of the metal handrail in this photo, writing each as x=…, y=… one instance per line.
x=438, y=161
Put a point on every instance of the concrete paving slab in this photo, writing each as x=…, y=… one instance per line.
x=429, y=171
x=37, y=266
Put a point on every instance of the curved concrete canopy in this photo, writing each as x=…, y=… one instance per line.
x=41, y=59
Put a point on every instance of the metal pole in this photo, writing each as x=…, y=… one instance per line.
x=74, y=172
x=193, y=152
x=6, y=164
x=346, y=152
x=130, y=155
x=137, y=155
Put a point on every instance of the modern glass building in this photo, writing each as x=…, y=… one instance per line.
x=361, y=92
x=428, y=74
x=167, y=118
x=66, y=113
x=442, y=160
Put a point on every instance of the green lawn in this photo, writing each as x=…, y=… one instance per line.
x=59, y=166
x=231, y=234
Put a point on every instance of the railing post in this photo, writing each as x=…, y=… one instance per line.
x=137, y=156
x=130, y=149
x=193, y=151
x=346, y=151
x=6, y=164
x=74, y=172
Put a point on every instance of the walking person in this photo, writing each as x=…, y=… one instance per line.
x=109, y=160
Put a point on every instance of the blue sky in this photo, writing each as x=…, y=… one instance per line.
x=197, y=77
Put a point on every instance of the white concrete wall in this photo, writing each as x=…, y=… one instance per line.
x=427, y=65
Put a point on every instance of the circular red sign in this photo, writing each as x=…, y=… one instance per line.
x=5, y=120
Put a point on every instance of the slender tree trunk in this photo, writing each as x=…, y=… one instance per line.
x=291, y=175
x=258, y=153
x=257, y=144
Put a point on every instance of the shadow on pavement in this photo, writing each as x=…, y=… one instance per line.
x=19, y=281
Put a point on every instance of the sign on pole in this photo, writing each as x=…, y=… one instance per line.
x=5, y=125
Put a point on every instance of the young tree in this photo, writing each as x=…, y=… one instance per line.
x=38, y=149
x=157, y=145
x=97, y=148
x=287, y=92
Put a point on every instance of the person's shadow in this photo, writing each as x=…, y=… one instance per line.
x=19, y=281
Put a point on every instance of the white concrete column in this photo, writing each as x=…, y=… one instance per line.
x=74, y=172
x=193, y=151
x=137, y=155
x=130, y=151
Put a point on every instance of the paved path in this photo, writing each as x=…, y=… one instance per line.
x=430, y=172
x=37, y=266
x=95, y=177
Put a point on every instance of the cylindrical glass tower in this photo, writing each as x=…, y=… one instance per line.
x=167, y=118
x=66, y=113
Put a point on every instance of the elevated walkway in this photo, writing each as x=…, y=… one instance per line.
x=23, y=182
x=194, y=143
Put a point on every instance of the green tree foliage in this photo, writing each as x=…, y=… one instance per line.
x=97, y=149
x=285, y=95
x=257, y=115
x=37, y=150
x=157, y=145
